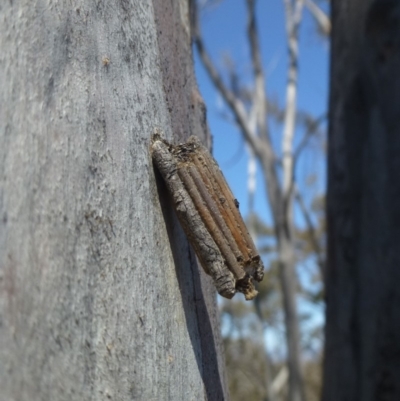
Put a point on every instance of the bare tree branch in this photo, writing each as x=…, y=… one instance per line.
x=260, y=109
x=293, y=19
x=322, y=19
x=312, y=232
x=233, y=102
x=280, y=380
x=311, y=130
x=260, y=145
x=260, y=100
x=297, y=15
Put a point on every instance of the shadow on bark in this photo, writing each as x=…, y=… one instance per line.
x=197, y=318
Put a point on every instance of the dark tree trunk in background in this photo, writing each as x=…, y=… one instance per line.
x=101, y=297
x=362, y=359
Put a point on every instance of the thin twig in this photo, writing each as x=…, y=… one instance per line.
x=312, y=232
x=260, y=112
x=307, y=136
x=303, y=143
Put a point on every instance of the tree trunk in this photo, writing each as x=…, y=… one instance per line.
x=363, y=277
x=287, y=275
x=288, y=283
x=101, y=296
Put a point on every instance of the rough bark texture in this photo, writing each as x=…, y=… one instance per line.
x=203, y=243
x=209, y=215
x=363, y=275
x=100, y=294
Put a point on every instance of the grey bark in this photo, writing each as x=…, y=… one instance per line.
x=362, y=282
x=100, y=293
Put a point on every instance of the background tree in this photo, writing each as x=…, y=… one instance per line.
x=362, y=281
x=277, y=151
x=101, y=296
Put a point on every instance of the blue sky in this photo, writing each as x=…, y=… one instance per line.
x=224, y=32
